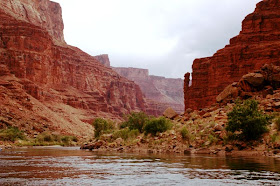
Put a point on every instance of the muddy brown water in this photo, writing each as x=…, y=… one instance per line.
x=71, y=166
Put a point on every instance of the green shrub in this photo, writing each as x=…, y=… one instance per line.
x=125, y=134
x=47, y=138
x=157, y=125
x=274, y=137
x=185, y=133
x=102, y=126
x=11, y=134
x=246, y=121
x=68, y=140
x=212, y=139
x=277, y=122
x=136, y=120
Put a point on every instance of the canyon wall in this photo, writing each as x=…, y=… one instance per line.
x=46, y=84
x=257, y=44
x=161, y=92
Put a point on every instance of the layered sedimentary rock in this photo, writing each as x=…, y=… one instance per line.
x=258, y=43
x=42, y=13
x=161, y=92
x=46, y=84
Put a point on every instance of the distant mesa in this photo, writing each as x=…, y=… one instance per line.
x=257, y=44
x=103, y=59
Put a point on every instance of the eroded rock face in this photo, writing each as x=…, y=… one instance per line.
x=43, y=13
x=48, y=79
x=264, y=82
x=257, y=44
x=161, y=92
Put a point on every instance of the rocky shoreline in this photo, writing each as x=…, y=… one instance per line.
x=206, y=128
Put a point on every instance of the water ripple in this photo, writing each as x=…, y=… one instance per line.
x=60, y=166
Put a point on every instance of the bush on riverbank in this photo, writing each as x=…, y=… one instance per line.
x=46, y=138
x=17, y=137
x=136, y=120
x=157, y=125
x=134, y=125
x=246, y=122
x=185, y=133
x=125, y=134
x=11, y=134
x=102, y=126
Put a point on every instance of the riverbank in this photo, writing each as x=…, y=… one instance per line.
x=227, y=150
x=195, y=132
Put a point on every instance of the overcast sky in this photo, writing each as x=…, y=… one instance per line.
x=164, y=36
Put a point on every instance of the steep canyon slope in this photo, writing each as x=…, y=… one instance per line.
x=46, y=84
x=257, y=44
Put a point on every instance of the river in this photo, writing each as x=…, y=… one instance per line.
x=71, y=166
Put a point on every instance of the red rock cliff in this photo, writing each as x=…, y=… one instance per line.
x=42, y=77
x=164, y=92
x=43, y=13
x=258, y=43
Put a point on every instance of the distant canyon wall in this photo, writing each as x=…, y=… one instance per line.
x=164, y=92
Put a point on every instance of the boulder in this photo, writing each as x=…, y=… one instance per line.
x=254, y=79
x=229, y=92
x=170, y=113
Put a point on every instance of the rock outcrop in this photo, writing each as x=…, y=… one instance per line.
x=161, y=92
x=264, y=83
x=46, y=84
x=42, y=13
x=257, y=44
x=104, y=59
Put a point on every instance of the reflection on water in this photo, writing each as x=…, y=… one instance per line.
x=71, y=166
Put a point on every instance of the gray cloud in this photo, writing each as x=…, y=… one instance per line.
x=164, y=36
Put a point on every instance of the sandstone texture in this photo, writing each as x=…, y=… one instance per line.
x=257, y=44
x=46, y=84
x=160, y=92
x=264, y=83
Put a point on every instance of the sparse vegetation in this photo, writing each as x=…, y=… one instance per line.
x=277, y=122
x=11, y=134
x=102, y=126
x=46, y=139
x=274, y=137
x=212, y=139
x=185, y=133
x=246, y=122
x=157, y=125
x=125, y=134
